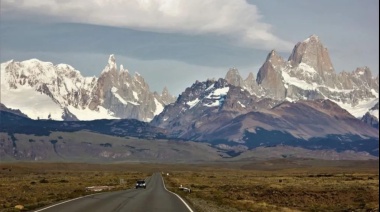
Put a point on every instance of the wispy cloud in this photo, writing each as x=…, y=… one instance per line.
x=235, y=19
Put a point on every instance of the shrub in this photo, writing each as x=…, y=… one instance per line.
x=44, y=181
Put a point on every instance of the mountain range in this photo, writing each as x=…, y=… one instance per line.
x=130, y=140
x=42, y=90
x=46, y=91
x=308, y=74
x=300, y=102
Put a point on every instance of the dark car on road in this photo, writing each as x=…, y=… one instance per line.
x=140, y=184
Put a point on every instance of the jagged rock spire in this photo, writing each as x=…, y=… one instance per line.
x=250, y=77
x=270, y=75
x=112, y=61
x=312, y=52
x=233, y=77
x=165, y=91
x=166, y=97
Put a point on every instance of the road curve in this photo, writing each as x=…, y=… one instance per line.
x=154, y=198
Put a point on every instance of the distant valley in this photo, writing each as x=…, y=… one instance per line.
x=106, y=141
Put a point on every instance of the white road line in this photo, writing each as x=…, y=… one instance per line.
x=64, y=202
x=188, y=207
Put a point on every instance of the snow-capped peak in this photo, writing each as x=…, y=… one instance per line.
x=111, y=59
x=273, y=52
x=112, y=62
x=64, y=66
x=43, y=90
x=312, y=37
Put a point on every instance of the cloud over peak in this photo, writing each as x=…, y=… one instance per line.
x=234, y=19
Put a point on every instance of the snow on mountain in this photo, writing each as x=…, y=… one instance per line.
x=193, y=103
x=86, y=114
x=31, y=102
x=56, y=91
x=360, y=109
x=221, y=113
x=216, y=97
x=308, y=75
x=43, y=90
x=374, y=113
x=372, y=116
x=159, y=107
x=206, y=105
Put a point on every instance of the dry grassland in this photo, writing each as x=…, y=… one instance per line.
x=278, y=185
x=34, y=185
x=295, y=189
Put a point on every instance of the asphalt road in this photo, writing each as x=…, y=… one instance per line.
x=154, y=198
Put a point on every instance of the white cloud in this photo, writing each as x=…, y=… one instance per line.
x=233, y=18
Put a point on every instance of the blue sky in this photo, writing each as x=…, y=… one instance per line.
x=175, y=42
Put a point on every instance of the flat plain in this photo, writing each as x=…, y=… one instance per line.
x=250, y=185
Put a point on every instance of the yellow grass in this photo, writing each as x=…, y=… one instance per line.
x=277, y=185
x=36, y=185
x=304, y=189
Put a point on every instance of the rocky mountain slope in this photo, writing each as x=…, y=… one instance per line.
x=42, y=90
x=372, y=116
x=230, y=117
x=309, y=74
x=301, y=102
x=13, y=123
x=23, y=139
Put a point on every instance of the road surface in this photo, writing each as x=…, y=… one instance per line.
x=154, y=198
